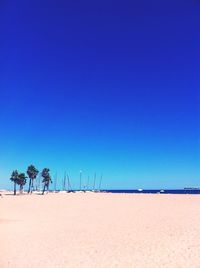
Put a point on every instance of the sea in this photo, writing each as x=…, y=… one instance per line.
x=156, y=191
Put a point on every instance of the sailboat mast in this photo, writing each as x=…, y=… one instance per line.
x=80, y=179
x=55, y=182
x=39, y=180
x=64, y=182
x=68, y=184
x=88, y=182
x=100, y=182
x=94, y=181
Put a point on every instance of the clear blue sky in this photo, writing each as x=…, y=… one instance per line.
x=105, y=86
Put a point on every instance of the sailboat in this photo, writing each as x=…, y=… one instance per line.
x=55, y=183
x=97, y=190
x=94, y=185
x=100, y=182
x=64, y=184
x=69, y=187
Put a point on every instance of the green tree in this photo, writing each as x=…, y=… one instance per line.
x=46, y=179
x=15, y=179
x=21, y=181
x=32, y=174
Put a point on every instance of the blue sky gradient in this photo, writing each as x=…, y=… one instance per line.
x=108, y=87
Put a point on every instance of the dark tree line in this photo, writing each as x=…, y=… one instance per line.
x=20, y=179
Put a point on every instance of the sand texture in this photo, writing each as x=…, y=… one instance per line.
x=100, y=230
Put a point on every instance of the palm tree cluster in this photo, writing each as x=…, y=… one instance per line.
x=32, y=172
x=18, y=179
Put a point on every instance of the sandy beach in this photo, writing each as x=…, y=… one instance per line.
x=100, y=230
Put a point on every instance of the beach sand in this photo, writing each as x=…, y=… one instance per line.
x=100, y=230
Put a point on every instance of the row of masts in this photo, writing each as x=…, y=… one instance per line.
x=67, y=186
x=86, y=187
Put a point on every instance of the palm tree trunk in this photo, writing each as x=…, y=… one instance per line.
x=29, y=187
x=48, y=187
x=21, y=189
x=44, y=189
x=14, y=188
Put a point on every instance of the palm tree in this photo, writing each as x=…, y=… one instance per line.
x=21, y=181
x=32, y=174
x=15, y=179
x=46, y=179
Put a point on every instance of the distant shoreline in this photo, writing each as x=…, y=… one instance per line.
x=122, y=191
